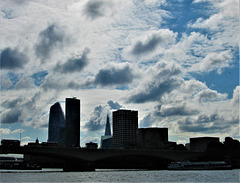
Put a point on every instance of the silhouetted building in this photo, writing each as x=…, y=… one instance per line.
x=62, y=136
x=107, y=139
x=201, y=143
x=125, y=125
x=106, y=142
x=187, y=145
x=56, y=122
x=10, y=143
x=72, y=129
x=91, y=145
x=108, y=128
x=152, y=138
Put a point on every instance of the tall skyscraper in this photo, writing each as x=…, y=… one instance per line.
x=107, y=139
x=56, y=122
x=125, y=125
x=72, y=129
x=107, y=129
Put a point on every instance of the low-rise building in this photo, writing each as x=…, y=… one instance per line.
x=201, y=143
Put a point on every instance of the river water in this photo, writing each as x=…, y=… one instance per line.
x=57, y=175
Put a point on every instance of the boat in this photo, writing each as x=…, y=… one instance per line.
x=209, y=165
x=11, y=163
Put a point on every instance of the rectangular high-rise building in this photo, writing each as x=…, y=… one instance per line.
x=72, y=128
x=125, y=125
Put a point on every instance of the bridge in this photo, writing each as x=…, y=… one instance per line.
x=81, y=159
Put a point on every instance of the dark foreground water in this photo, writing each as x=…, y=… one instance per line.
x=50, y=175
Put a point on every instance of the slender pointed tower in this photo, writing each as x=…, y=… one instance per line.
x=107, y=129
x=107, y=140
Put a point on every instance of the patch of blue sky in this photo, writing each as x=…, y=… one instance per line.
x=39, y=77
x=176, y=138
x=8, y=14
x=225, y=82
x=151, y=19
x=27, y=132
x=150, y=62
x=89, y=87
x=122, y=87
x=117, y=56
x=29, y=119
x=184, y=13
x=14, y=78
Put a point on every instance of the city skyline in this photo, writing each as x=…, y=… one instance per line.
x=176, y=63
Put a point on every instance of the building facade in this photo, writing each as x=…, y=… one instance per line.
x=72, y=127
x=56, y=123
x=201, y=143
x=152, y=138
x=91, y=145
x=106, y=142
x=125, y=125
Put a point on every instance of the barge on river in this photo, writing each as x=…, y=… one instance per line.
x=210, y=165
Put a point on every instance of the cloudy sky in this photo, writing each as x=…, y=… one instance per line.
x=176, y=62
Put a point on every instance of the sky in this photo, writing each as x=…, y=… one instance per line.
x=175, y=62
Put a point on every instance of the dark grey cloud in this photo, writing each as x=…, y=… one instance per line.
x=114, y=105
x=181, y=110
x=201, y=124
x=155, y=90
x=99, y=116
x=96, y=121
x=8, y=104
x=147, y=121
x=12, y=59
x=146, y=47
x=210, y=95
x=164, y=111
x=190, y=120
x=207, y=123
x=73, y=64
x=166, y=70
x=50, y=84
x=165, y=78
x=49, y=38
x=113, y=76
x=17, y=109
x=12, y=116
x=53, y=83
x=94, y=9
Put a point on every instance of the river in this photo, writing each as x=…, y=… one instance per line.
x=57, y=175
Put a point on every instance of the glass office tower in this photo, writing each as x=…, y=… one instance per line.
x=56, y=122
x=72, y=127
